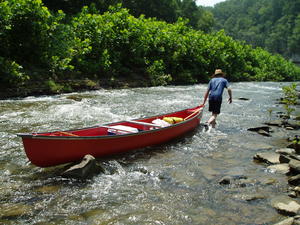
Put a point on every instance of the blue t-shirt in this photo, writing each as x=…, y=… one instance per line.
x=216, y=87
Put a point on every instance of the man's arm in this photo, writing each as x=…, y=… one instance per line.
x=205, y=96
x=230, y=95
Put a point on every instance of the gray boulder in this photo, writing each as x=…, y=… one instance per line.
x=286, y=206
x=268, y=157
x=85, y=169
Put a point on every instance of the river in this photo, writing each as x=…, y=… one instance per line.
x=175, y=183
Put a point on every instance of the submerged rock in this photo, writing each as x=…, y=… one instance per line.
x=85, y=169
x=244, y=99
x=74, y=97
x=294, y=124
x=225, y=180
x=263, y=130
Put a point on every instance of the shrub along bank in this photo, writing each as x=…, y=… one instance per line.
x=49, y=51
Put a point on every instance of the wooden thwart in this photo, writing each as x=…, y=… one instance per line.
x=144, y=123
x=67, y=133
x=189, y=116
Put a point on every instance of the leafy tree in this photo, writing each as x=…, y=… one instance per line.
x=271, y=24
x=115, y=46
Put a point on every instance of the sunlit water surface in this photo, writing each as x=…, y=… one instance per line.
x=175, y=183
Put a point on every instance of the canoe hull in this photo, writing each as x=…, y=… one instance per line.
x=45, y=151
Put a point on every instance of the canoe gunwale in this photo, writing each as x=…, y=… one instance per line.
x=38, y=135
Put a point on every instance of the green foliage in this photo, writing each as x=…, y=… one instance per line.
x=54, y=87
x=296, y=140
x=156, y=72
x=165, y=10
x=116, y=46
x=271, y=24
x=290, y=98
x=11, y=73
x=24, y=26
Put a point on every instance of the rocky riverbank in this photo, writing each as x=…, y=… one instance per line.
x=284, y=159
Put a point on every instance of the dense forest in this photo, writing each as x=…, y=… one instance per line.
x=47, y=46
x=271, y=24
x=165, y=10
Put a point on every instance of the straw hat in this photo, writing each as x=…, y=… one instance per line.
x=218, y=71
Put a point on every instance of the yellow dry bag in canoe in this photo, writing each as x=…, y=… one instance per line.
x=173, y=120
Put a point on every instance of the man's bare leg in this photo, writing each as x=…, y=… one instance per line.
x=212, y=120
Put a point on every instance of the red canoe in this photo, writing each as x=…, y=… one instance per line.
x=58, y=147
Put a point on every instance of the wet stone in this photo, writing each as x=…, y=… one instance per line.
x=74, y=97
x=243, y=99
x=288, y=221
x=225, y=180
x=277, y=123
x=280, y=168
x=284, y=159
x=289, y=207
x=250, y=197
x=295, y=146
x=286, y=151
x=297, y=189
x=294, y=180
x=294, y=165
x=292, y=194
x=264, y=133
x=268, y=181
x=268, y=157
x=293, y=124
x=85, y=169
x=264, y=128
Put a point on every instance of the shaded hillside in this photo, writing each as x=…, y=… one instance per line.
x=271, y=24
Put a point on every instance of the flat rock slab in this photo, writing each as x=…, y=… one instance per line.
x=262, y=130
x=283, y=168
x=286, y=151
x=268, y=157
x=291, y=208
x=277, y=123
x=256, y=129
x=288, y=221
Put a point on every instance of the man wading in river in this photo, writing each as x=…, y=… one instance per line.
x=215, y=91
